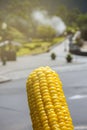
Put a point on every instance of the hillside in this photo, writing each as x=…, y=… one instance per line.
x=51, y=5
x=17, y=14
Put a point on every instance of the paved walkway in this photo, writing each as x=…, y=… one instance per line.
x=24, y=65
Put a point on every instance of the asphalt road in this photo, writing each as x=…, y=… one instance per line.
x=14, y=112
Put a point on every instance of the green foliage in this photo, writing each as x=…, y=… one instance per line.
x=33, y=47
x=69, y=58
x=22, y=28
x=71, y=30
x=58, y=40
x=23, y=51
x=72, y=17
x=62, y=12
x=46, y=32
x=16, y=34
x=21, y=8
x=67, y=15
x=53, y=56
x=82, y=21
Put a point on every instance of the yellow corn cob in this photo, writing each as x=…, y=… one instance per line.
x=47, y=103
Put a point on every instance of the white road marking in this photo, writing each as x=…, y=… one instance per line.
x=81, y=128
x=77, y=97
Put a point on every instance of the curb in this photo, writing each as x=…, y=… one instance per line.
x=4, y=79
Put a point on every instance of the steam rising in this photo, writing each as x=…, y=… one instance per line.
x=55, y=22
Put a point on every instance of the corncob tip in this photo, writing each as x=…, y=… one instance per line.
x=46, y=99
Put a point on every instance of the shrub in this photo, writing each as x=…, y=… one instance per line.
x=53, y=56
x=69, y=58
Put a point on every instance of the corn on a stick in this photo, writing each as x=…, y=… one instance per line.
x=47, y=103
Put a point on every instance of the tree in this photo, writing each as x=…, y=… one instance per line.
x=15, y=34
x=46, y=32
x=82, y=21
x=72, y=16
x=69, y=16
x=62, y=12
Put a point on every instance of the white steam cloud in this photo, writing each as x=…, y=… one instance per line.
x=55, y=22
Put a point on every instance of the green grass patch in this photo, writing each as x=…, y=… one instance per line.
x=23, y=51
x=37, y=46
x=58, y=40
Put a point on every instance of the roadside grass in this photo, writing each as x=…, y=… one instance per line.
x=33, y=48
x=58, y=40
x=37, y=46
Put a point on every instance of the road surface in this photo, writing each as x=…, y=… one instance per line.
x=14, y=112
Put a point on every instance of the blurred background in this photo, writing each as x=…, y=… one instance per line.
x=32, y=27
